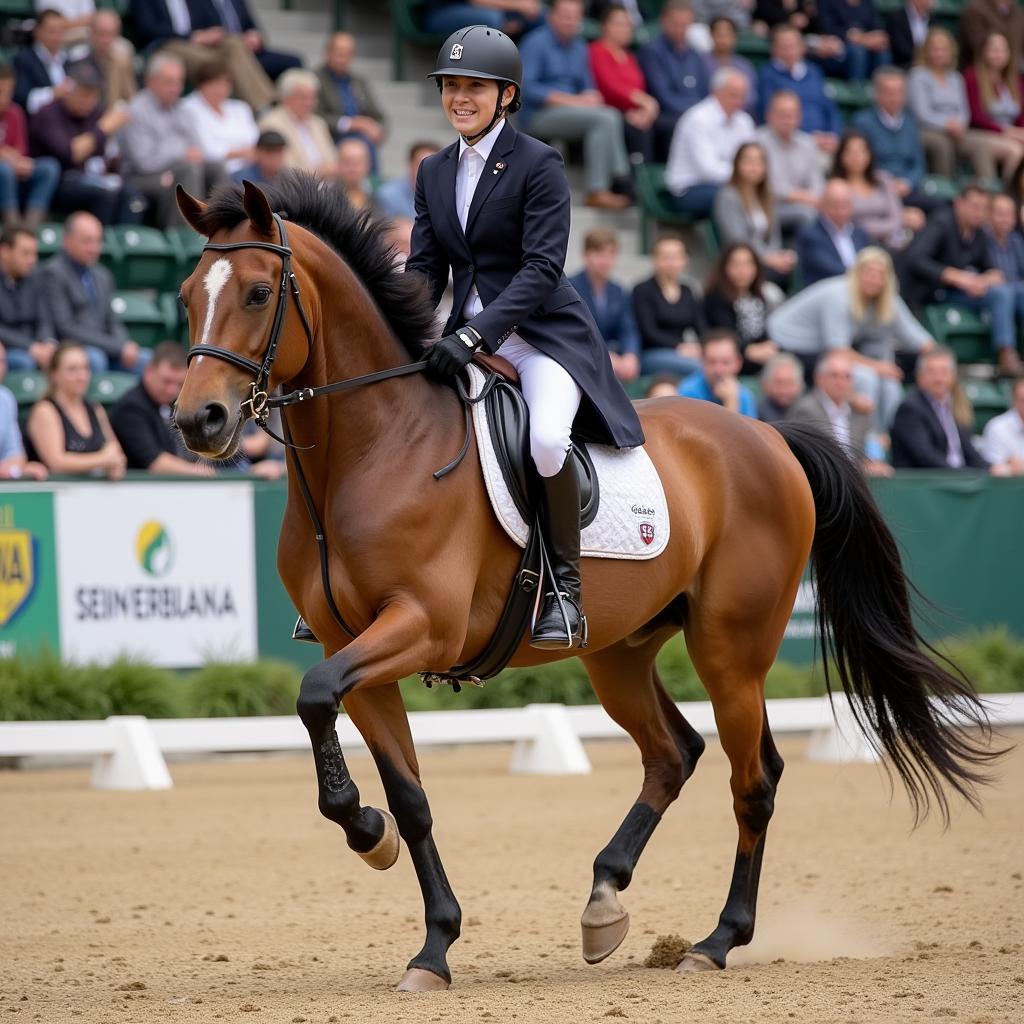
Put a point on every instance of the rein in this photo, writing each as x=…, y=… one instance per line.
x=259, y=403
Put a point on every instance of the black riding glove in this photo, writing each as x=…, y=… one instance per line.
x=452, y=352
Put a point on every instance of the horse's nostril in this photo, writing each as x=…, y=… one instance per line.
x=214, y=419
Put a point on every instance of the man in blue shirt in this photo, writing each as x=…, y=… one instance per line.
x=788, y=69
x=895, y=141
x=609, y=302
x=560, y=102
x=677, y=76
x=718, y=380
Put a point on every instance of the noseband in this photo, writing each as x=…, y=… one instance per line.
x=259, y=403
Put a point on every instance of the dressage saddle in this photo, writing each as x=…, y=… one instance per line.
x=508, y=420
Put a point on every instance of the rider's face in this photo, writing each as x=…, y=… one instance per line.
x=469, y=103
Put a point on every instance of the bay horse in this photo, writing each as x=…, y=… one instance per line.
x=420, y=568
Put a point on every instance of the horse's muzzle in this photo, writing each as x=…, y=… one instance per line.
x=209, y=431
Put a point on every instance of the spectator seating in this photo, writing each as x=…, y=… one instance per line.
x=28, y=386
x=989, y=398
x=962, y=329
x=850, y=97
x=653, y=203
x=142, y=258
x=143, y=318
x=406, y=29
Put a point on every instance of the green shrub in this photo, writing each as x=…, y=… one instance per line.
x=132, y=687
x=41, y=688
x=229, y=689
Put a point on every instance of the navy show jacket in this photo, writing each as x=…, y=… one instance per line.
x=513, y=250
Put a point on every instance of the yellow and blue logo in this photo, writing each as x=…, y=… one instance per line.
x=17, y=572
x=154, y=550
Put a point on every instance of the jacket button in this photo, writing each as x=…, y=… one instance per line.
x=472, y=269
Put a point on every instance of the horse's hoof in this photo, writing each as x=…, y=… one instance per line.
x=385, y=853
x=418, y=980
x=600, y=941
x=694, y=963
x=605, y=924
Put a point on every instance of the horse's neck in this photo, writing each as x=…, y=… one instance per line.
x=382, y=427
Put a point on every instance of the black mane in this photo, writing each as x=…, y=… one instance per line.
x=355, y=235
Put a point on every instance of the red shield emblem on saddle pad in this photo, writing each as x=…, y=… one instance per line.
x=647, y=532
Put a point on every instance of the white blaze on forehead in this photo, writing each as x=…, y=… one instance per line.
x=216, y=277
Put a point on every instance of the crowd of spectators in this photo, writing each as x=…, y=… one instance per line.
x=829, y=237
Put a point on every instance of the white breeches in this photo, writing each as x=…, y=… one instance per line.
x=552, y=397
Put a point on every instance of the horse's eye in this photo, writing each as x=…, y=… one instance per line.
x=259, y=295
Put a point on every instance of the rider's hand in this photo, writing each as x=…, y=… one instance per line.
x=450, y=354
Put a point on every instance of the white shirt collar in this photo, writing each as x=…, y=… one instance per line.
x=485, y=145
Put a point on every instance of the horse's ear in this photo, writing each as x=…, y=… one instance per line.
x=191, y=209
x=257, y=208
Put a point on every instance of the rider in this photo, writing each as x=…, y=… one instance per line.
x=493, y=208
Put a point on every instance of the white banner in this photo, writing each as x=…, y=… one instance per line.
x=159, y=571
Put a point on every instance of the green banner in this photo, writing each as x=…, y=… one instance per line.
x=28, y=572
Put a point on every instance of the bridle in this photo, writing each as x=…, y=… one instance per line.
x=259, y=404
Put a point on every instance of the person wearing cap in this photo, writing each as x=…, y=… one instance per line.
x=267, y=160
x=493, y=207
x=74, y=130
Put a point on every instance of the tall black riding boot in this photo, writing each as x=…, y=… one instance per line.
x=561, y=623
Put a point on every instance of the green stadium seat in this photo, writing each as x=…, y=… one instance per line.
x=653, y=203
x=756, y=48
x=144, y=320
x=51, y=238
x=712, y=243
x=963, y=330
x=17, y=9
x=849, y=96
x=142, y=258
x=406, y=29
x=27, y=385
x=989, y=398
x=187, y=247
x=173, y=313
x=107, y=388
x=938, y=187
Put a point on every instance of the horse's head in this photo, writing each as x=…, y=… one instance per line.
x=243, y=342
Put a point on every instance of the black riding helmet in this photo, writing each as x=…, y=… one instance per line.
x=479, y=51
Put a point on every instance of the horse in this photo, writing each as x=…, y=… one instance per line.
x=295, y=289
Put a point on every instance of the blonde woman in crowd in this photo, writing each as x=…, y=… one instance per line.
x=862, y=311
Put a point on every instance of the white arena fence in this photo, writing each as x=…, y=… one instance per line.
x=128, y=751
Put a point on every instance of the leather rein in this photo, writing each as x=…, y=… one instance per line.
x=260, y=403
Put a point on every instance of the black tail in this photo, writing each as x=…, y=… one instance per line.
x=904, y=701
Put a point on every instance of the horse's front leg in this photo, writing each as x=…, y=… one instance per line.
x=363, y=675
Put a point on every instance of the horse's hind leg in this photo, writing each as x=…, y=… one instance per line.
x=732, y=659
x=627, y=684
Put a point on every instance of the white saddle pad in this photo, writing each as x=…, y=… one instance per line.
x=632, y=518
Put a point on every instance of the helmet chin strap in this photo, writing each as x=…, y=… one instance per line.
x=499, y=111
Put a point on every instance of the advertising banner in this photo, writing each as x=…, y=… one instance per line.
x=159, y=571
x=28, y=575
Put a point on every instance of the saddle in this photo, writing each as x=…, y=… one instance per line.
x=508, y=421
